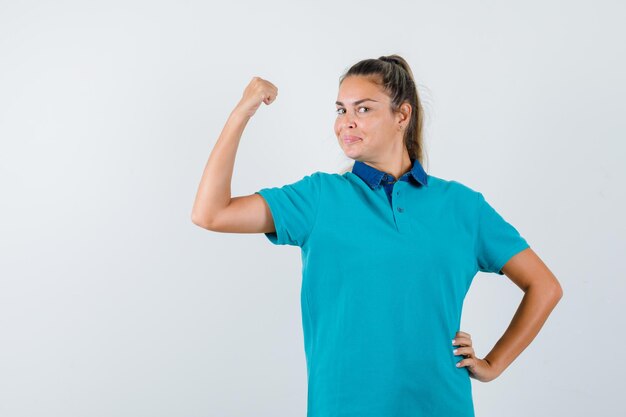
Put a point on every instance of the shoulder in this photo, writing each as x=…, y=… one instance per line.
x=316, y=181
x=452, y=187
x=330, y=179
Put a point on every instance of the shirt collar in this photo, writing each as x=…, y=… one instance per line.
x=373, y=176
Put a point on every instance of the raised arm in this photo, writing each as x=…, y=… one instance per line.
x=214, y=208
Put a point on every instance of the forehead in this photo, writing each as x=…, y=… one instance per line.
x=358, y=87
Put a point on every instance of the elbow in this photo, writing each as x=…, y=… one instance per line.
x=551, y=293
x=556, y=293
x=200, y=221
x=559, y=292
x=552, y=288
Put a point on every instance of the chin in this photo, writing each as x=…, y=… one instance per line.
x=352, y=155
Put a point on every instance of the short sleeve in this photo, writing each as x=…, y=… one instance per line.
x=294, y=209
x=497, y=241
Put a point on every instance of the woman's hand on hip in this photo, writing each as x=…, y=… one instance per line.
x=479, y=369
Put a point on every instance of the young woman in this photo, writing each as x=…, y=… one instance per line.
x=389, y=253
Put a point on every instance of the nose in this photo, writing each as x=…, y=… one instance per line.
x=349, y=120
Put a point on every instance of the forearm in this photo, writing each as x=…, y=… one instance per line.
x=214, y=191
x=533, y=311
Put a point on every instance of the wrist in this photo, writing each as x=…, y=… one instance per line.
x=239, y=115
x=494, y=365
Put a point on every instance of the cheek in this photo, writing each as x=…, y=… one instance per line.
x=337, y=128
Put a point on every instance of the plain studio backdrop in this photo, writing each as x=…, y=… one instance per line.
x=113, y=303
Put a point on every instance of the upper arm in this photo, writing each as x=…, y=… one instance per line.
x=294, y=209
x=244, y=214
x=526, y=269
x=497, y=240
x=285, y=214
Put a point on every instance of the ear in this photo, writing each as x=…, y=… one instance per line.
x=404, y=114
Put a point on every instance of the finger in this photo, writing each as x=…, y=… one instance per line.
x=465, y=351
x=468, y=362
x=465, y=355
x=464, y=334
x=462, y=341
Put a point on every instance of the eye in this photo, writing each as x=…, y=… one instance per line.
x=338, y=111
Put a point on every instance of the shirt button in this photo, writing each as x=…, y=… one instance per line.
x=400, y=209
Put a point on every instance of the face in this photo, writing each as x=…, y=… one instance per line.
x=365, y=126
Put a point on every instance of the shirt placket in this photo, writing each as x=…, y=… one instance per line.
x=395, y=191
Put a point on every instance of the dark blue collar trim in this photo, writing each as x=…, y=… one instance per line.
x=373, y=176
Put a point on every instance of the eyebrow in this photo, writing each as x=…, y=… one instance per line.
x=339, y=103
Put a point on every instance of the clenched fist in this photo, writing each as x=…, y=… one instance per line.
x=257, y=91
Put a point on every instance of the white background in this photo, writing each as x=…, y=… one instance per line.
x=113, y=303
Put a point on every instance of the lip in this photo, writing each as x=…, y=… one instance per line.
x=351, y=139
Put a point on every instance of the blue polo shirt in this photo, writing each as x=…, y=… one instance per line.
x=386, y=266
